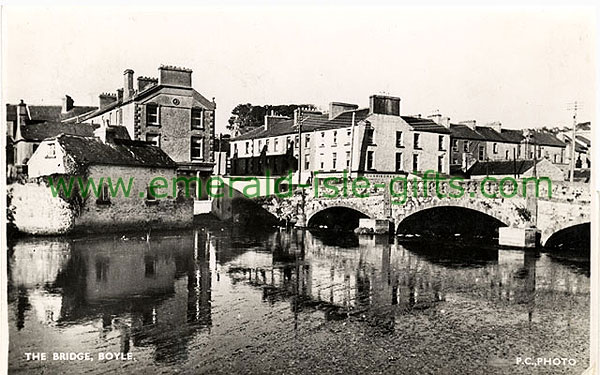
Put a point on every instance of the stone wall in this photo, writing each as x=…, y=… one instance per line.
x=37, y=212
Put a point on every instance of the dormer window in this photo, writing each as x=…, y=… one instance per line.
x=152, y=117
x=197, y=118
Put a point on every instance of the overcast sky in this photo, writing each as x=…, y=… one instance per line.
x=520, y=67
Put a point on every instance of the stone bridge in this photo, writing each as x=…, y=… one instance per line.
x=567, y=206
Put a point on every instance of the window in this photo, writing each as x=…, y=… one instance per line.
x=555, y=158
x=247, y=148
x=267, y=144
x=539, y=151
x=455, y=145
x=307, y=161
x=288, y=142
x=347, y=159
x=51, y=151
x=296, y=139
x=154, y=138
x=370, y=159
x=198, y=148
x=104, y=197
x=495, y=148
x=307, y=141
x=417, y=141
x=276, y=145
x=466, y=146
x=149, y=194
x=259, y=145
x=152, y=117
x=415, y=163
x=481, y=153
x=398, y=139
x=197, y=118
x=349, y=133
x=441, y=143
x=334, y=161
x=506, y=155
x=120, y=116
x=335, y=137
x=235, y=150
x=398, y=162
x=440, y=163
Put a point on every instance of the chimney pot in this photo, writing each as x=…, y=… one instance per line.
x=67, y=104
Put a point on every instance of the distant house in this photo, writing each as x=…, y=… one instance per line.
x=37, y=211
x=472, y=143
x=28, y=125
x=583, y=145
x=166, y=111
x=516, y=169
x=467, y=146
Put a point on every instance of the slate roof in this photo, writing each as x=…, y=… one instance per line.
x=47, y=112
x=513, y=136
x=310, y=122
x=578, y=147
x=87, y=151
x=503, y=167
x=118, y=131
x=489, y=134
x=543, y=138
x=425, y=125
x=48, y=129
x=461, y=131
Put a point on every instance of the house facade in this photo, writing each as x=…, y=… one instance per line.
x=376, y=142
x=166, y=111
x=39, y=211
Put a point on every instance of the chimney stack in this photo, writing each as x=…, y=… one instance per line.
x=67, y=104
x=297, y=116
x=120, y=95
x=146, y=82
x=384, y=105
x=175, y=76
x=496, y=125
x=128, y=84
x=471, y=124
x=445, y=122
x=436, y=117
x=106, y=99
x=335, y=108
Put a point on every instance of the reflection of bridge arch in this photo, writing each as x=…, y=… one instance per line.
x=553, y=235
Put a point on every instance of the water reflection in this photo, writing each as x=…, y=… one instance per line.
x=168, y=294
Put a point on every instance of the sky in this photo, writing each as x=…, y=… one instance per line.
x=520, y=66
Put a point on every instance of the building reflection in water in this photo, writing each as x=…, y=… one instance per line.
x=160, y=294
x=150, y=293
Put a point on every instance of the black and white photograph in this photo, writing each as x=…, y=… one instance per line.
x=288, y=188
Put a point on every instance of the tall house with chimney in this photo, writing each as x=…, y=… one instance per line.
x=166, y=111
x=376, y=142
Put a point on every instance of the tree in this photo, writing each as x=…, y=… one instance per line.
x=246, y=117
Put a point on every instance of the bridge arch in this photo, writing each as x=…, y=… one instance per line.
x=509, y=214
x=336, y=216
x=575, y=233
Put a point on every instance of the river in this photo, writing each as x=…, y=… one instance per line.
x=219, y=299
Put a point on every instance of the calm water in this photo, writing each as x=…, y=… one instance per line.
x=221, y=300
